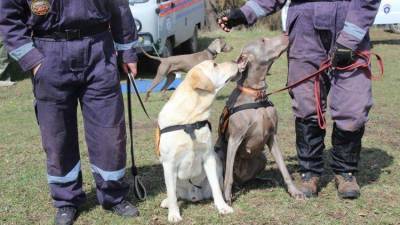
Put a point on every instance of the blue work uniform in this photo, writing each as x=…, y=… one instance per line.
x=77, y=43
x=315, y=27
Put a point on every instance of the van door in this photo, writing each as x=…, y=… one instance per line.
x=188, y=14
x=167, y=20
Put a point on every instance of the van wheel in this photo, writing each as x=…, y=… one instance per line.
x=191, y=45
x=168, y=49
x=395, y=28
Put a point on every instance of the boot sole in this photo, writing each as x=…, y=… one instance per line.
x=349, y=195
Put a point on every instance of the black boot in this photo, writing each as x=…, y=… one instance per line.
x=345, y=156
x=310, y=146
x=65, y=215
x=125, y=209
x=346, y=150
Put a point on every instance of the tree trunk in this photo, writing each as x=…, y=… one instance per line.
x=211, y=15
x=214, y=7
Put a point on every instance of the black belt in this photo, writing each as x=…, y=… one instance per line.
x=72, y=34
x=255, y=105
x=188, y=128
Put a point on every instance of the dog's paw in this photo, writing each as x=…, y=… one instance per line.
x=174, y=217
x=296, y=193
x=224, y=209
x=164, y=203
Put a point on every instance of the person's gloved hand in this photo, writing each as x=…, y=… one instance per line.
x=234, y=18
x=342, y=56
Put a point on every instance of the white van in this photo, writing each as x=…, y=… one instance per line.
x=388, y=14
x=166, y=24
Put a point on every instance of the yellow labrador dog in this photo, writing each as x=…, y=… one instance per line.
x=191, y=169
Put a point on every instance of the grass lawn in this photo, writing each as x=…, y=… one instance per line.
x=24, y=192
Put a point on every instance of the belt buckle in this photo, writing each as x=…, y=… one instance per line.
x=73, y=34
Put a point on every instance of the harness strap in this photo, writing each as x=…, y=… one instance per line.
x=254, y=105
x=194, y=185
x=188, y=128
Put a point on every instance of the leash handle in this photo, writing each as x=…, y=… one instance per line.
x=366, y=55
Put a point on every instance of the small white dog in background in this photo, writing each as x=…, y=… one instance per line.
x=184, y=139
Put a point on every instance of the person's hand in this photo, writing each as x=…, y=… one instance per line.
x=35, y=69
x=342, y=56
x=234, y=18
x=130, y=68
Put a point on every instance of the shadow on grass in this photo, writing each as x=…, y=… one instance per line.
x=152, y=178
x=372, y=164
x=268, y=179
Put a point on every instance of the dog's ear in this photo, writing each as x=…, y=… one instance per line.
x=243, y=60
x=200, y=81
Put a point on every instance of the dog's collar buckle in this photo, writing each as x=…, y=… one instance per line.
x=258, y=94
x=212, y=52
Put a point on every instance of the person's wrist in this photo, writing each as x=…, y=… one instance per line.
x=342, y=56
x=235, y=18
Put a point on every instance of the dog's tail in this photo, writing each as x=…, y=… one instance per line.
x=150, y=56
x=157, y=141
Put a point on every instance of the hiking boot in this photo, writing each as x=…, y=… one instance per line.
x=65, y=215
x=309, y=184
x=125, y=209
x=347, y=186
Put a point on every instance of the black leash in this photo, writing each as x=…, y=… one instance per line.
x=132, y=81
x=139, y=188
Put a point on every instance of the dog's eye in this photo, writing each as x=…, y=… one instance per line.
x=215, y=65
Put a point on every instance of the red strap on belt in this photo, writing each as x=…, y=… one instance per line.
x=325, y=65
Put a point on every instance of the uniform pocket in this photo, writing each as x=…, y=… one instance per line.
x=324, y=16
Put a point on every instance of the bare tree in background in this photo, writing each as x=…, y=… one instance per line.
x=212, y=9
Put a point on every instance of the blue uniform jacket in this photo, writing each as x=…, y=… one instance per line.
x=18, y=18
x=360, y=16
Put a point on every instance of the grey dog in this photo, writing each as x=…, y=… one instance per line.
x=183, y=63
x=241, y=144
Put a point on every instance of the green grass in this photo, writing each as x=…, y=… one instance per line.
x=24, y=191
